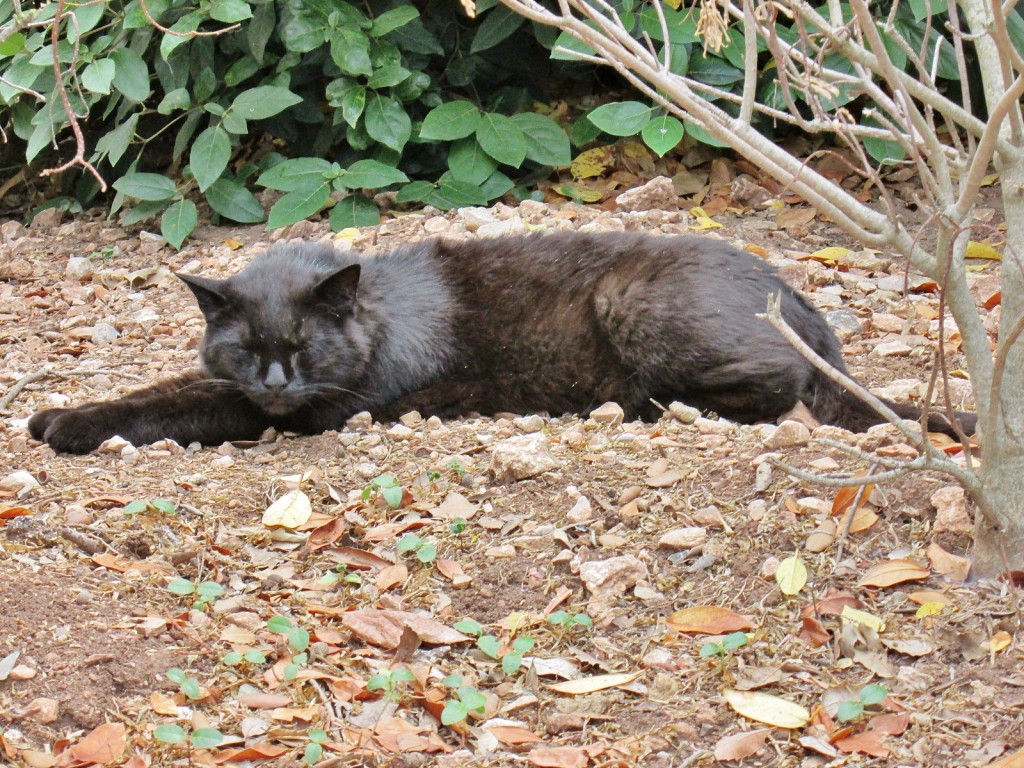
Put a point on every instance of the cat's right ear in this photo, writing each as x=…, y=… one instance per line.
x=209, y=293
x=337, y=292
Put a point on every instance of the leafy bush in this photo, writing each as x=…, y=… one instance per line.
x=327, y=102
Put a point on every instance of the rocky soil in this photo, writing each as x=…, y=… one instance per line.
x=629, y=524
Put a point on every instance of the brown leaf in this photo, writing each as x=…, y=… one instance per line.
x=865, y=742
x=844, y=498
x=264, y=700
x=384, y=628
x=952, y=567
x=558, y=757
x=889, y=723
x=262, y=751
x=708, y=620
x=103, y=745
x=391, y=576
x=814, y=633
x=890, y=572
x=163, y=704
x=741, y=745
x=513, y=735
x=351, y=557
x=1016, y=760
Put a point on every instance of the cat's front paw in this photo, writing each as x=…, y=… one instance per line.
x=69, y=430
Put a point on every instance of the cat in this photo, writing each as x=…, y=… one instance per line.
x=306, y=336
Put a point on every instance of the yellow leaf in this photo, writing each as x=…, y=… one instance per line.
x=595, y=683
x=708, y=620
x=928, y=610
x=862, y=617
x=290, y=511
x=578, y=192
x=765, y=708
x=348, y=233
x=704, y=222
x=791, y=575
x=592, y=163
x=988, y=181
x=999, y=641
x=233, y=243
x=976, y=250
x=830, y=255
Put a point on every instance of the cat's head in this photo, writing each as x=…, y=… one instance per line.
x=284, y=329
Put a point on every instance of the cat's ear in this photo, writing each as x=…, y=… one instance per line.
x=337, y=292
x=210, y=293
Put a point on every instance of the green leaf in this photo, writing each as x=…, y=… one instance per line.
x=882, y=151
x=387, y=122
x=523, y=644
x=350, y=50
x=393, y=496
x=259, y=31
x=546, y=142
x=701, y=135
x=393, y=19
x=452, y=681
x=402, y=674
x=621, y=118
x=469, y=627
x=278, y=624
x=415, y=191
x=352, y=105
x=408, y=543
x=230, y=11
x=567, y=47
x=177, y=223
x=713, y=71
x=450, y=121
x=450, y=193
x=209, y=590
x=298, y=205
x=502, y=139
x=206, y=738
x=87, y=16
x=735, y=640
x=371, y=174
x=849, y=710
x=97, y=76
x=317, y=735
x=209, y=156
x=169, y=733
x=232, y=658
x=472, y=698
x=453, y=712
x=143, y=212
x=146, y=186
x=312, y=754
x=510, y=663
x=378, y=682
x=13, y=44
x=384, y=481
x=872, y=694
x=179, y=98
x=186, y=24
x=298, y=638
x=354, y=211
x=255, y=657
x=496, y=26
x=559, y=617
x=299, y=173
x=710, y=649
x=131, y=74
x=190, y=687
x=662, y=134
x=233, y=201
x=489, y=644
x=176, y=675
x=388, y=77
x=133, y=508
x=427, y=553
x=415, y=37
x=468, y=161
x=241, y=71
x=263, y=101
x=165, y=506
x=291, y=671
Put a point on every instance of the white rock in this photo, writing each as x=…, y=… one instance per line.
x=789, y=433
x=521, y=457
x=361, y=420
x=951, y=510
x=683, y=538
x=684, y=413
x=115, y=444
x=531, y=423
x=502, y=228
x=656, y=195
x=892, y=349
x=713, y=426
x=20, y=482
x=475, y=218
x=79, y=268
x=401, y=432
x=104, y=333
x=614, y=576
x=581, y=511
x=609, y=413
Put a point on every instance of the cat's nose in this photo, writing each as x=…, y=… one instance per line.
x=275, y=380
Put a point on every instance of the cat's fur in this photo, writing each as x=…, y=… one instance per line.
x=306, y=336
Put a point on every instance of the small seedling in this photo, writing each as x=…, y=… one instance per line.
x=341, y=574
x=388, y=682
x=456, y=466
x=469, y=700
x=314, y=750
x=106, y=253
x=298, y=641
x=201, y=738
x=188, y=685
x=205, y=591
x=387, y=488
x=567, y=620
x=726, y=646
x=425, y=551
x=252, y=656
x=868, y=697
x=512, y=659
x=458, y=525
x=163, y=506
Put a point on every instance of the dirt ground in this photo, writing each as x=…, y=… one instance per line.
x=680, y=514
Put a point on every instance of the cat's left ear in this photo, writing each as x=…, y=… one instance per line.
x=337, y=292
x=209, y=293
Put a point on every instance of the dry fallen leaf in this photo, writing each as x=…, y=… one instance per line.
x=558, y=757
x=290, y=511
x=595, y=683
x=768, y=709
x=384, y=628
x=791, y=575
x=103, y=745
x=952, y=567
x=741, y=745
x=862, y=617
x=890, y=572
x=708, y=620
x=163, y=704
x=511, y=735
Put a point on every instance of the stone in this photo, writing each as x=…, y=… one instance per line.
x=11, y=230
x=713, y=426
x=47, y=219
x=522, y=457
x=474, y=218
x=529, y=424
x=502, y=228
x=103, y=334
x=656, y=195
x=684, y=413
x=951, y=510
x=79, y=268
x=787, y=435
x=611, y=578
x=361, y=420
x=436, y=225
x=895, y=348
x=581, y=511
x=683, y=538
x=843, y=323
x=609, y=413
x=411, y=419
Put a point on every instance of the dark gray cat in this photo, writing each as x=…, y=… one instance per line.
x=306, y=336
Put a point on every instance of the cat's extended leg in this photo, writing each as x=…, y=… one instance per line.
x=186, y=409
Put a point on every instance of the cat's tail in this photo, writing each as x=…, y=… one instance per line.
x=835, y=405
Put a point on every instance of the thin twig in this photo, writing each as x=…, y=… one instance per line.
x=844, y=531
x=31, y=378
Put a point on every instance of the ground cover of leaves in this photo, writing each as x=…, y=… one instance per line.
x=631, y=525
